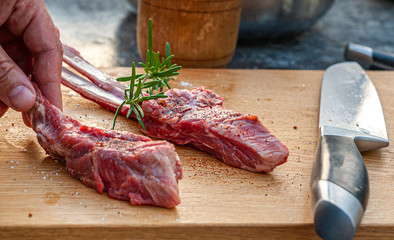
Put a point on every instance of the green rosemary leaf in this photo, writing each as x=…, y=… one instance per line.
x=129, y=112
x=138, y=116
x=166, y=83
x=132, y=81
x=168, y=72
x=128, y=78
x=156, y=59
x=166, y=62
x=168, y=54
x=151, y=97
x=116, y=113
x=146, y=67
x=138, y=107
x=150, y=84
x=139, y=89
x=124, y=79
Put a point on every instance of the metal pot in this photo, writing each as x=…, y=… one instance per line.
x=261, y=19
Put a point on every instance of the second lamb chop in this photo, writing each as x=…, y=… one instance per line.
x=128, y=166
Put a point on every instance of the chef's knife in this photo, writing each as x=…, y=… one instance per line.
x=351, y=120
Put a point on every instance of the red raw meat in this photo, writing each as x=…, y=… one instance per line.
x=196, y=116
x=128, y=166
x=193, y=116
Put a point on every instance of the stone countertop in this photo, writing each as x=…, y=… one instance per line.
x=104, y=31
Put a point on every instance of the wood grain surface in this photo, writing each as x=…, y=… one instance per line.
x=39, y=200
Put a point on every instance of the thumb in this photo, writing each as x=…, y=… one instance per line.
x=16, y=91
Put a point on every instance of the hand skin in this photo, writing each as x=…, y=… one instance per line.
x=29, y=45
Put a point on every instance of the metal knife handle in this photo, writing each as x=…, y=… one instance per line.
x=339, y=187
x=385, y=59
x=369, y=57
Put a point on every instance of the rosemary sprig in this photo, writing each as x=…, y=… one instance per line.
x=142, y=86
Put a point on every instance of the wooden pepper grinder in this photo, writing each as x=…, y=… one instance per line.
x=201, y=33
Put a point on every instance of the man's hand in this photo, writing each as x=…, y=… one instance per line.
x=29, y=44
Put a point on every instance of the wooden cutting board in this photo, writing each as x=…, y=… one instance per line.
x=38, y=199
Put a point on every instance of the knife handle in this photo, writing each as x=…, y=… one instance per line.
x=384, y=59
x=369, y=57
x=339, y=187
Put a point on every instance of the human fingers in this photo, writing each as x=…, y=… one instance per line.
x=31, y=20
x=6, y=7
x=15, y=88
x=3, y=108
x=16, y=91
x=16, y=50
x=19, y=53
x=26, y=119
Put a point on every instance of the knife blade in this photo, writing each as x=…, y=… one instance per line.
x=351, y=120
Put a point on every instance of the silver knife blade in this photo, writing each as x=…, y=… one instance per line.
x=350, y=106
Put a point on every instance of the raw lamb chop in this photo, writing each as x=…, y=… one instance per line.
x=129, y=167
x=194, y=117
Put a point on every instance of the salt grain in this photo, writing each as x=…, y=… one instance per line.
x=25, y=190
x=186, y=84
x=78, y=218
x=44, y=177
x=102, y=219
x=12, y=166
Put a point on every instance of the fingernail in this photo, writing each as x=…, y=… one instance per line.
x=21, y=97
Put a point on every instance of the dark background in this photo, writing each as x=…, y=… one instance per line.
x=104, y=32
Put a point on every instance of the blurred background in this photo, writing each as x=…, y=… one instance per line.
x=104, y=31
